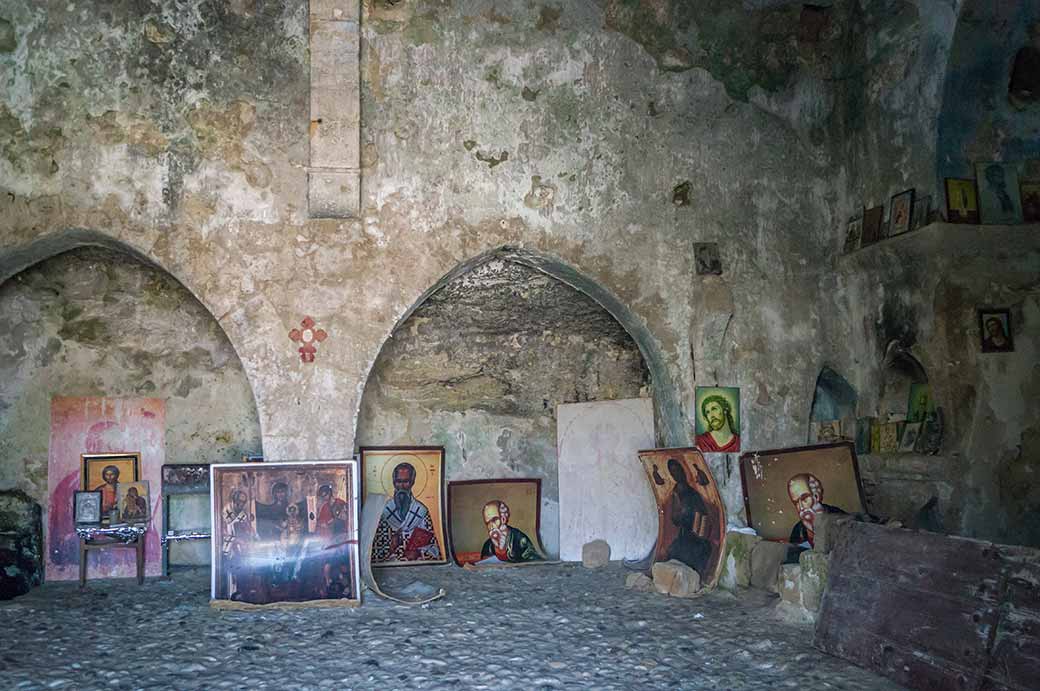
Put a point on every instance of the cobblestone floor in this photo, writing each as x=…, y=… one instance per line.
x=538, y=627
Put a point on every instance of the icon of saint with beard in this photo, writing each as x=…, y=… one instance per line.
x=405, y=531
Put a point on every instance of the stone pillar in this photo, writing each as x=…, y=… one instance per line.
x=334, y=175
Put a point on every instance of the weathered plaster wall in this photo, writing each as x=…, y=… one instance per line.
x=180, y=133
x=599, y=140
x=922, y=290
x=92, y=322
x=891, y=94
x=480, y=367
x=978, y=121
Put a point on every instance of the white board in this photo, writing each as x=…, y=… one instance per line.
x=604, y=493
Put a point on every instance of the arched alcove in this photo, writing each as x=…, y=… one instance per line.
x=83, y=316
x=672, y=428
x=481, y=361
x=834, y=399
x=899, y=373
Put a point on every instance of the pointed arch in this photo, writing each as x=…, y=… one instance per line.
x=14, y=260
x=672, y=429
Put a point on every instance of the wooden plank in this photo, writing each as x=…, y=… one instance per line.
x=1015, y=658
x=934, y=612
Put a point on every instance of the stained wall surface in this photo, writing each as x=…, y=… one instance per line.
x=92, y=322
x=604, y=138
x=922, y=291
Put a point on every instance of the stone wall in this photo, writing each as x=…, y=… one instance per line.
x=92, y=322
x=480, y=367
x=600, y=139
x=922, y=291
x=180, y=133
x=892, y=88
x=979, y=121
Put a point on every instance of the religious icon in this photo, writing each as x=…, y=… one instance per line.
x=718, y=418
x=102, y=472
x=920, y=403
x=999, y=193
x=706, y=258
x=825, y=431
x=922, y=210
x=285, y=532
x=87, y=508
x=911, y=432
x=962, y=204
x=872, y=220
x=890, y=433
x=785, y=489
x=995, y=330
x=902, y=206
x=132, y=502
x=411, y=480
x=691, y=514
x=495, y=521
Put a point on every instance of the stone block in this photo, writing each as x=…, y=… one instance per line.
x=336, y=10
x=736, y=561
x=335, y=56
x=21, y=544
x=815, y=568
x=789, y=583
x=334, y=194
x=766, y=558
x=640, y=582
x=595, y=554
x=827, y=531
x=338, y=102
x=676, y=579
x=335, y=144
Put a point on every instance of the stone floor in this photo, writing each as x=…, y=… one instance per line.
x=538, y=627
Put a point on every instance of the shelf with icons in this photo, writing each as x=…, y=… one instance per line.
x=1003, y=196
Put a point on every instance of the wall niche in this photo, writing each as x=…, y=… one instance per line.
x=904, y=478
x=97, y=322
x=832, y=416
x=480, y=366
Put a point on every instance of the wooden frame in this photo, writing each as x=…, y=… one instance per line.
x=82, y=512
x=89, y=479
x=872, y=220
x=441, y=497
x=181, y=480
x=999, y=192
x=748, y=458
x=903, y=202
x=964, y=186
x=452, y=487
x=1003, y=316
x=254, y=554
x=710, y=509
x=921, y=211
x=123, y=492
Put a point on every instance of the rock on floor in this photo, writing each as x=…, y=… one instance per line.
x=595, y=554
x=675, y=578
x=527, y=628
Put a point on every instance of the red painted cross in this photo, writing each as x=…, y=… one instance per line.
x=307, y=337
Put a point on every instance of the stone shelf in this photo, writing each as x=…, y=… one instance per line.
x=953, y=240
